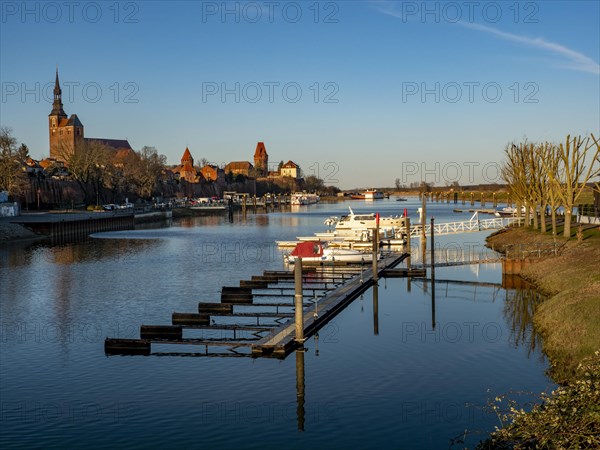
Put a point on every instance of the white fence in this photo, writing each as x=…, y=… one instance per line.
x=466, y=226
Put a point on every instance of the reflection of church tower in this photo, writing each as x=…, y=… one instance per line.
x=261, y=159
x=65, y=133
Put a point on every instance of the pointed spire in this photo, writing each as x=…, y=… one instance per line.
x=57, y=106
x=187, y=157
x=56, y=83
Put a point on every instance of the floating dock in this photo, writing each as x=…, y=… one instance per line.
x=256, y=318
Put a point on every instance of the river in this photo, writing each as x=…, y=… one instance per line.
x=380, y=377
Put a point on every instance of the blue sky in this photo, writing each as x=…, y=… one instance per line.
x=359, y=93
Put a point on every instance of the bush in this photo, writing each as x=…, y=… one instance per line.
x=568, y=418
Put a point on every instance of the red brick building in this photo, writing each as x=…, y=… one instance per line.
x=261, y=159
x=67, y=133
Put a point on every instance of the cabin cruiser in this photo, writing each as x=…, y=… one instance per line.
x=318, y=252
x=302, y=198
x=356, y=224
x=509, y=211
x=370, y=194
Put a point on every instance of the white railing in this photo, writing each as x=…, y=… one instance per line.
x=466, y=226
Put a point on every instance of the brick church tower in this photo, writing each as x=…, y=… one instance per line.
x=261, y=159
x=65, y=133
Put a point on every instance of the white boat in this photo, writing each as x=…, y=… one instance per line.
x=357, y=224
x=303, y=198
x=509, y=211
x=369, y=194
x=315, y=252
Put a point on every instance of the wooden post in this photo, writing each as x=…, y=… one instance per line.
x=407, y=222
x=482, y=200
x=299, y=316
x=423, y=216
x=472, y=198
x=432, y=250
x=375, y=252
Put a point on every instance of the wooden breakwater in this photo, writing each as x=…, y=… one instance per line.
x=74, y=226
x=256, y=318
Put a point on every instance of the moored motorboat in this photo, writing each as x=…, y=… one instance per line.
x=369, y=194
x=317, y=252
x=509, y=211
x=356, y=224
x=303, y=198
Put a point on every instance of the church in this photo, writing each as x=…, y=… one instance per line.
x=67, y=133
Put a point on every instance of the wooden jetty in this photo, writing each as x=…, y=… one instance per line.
x=263, y=309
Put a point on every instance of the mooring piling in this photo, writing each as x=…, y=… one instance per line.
x=298, y=299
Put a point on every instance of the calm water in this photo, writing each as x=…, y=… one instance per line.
x=384, y=380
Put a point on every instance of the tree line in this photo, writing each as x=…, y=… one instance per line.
x=94, y=166
x=544, y=177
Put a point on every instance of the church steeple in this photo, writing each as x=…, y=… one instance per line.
x=57, y=106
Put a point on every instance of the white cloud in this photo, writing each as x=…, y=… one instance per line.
x=575, y=60
x=572, y=59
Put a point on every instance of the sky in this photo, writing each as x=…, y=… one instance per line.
x=359, y=93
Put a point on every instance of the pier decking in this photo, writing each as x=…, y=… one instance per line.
x=326, y=291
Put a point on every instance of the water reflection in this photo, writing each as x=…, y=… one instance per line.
x=300, y=388
x=395, y=367
x=375, y=309
x=519, y=308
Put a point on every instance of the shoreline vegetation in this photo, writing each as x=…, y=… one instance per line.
x=569, y=322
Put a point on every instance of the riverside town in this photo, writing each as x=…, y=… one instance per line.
x=283, y=226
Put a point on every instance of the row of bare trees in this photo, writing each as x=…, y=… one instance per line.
x=96, y=167
x=547, y=176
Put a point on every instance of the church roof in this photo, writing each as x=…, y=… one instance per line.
x=116, y=144
x=238, y=165
x=260, y=150
x=73, y=121
x=187, y=156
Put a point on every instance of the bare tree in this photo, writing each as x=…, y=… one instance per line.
x=573, y=175
x=89, y=165
x=551, y=163
x=514, y=172
x=12, y=176
x=151, y=165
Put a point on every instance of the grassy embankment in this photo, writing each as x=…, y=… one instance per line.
x=569, y=322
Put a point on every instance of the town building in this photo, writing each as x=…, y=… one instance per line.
x=239, y=168
x=67, y=133
x=186, y=170
x=211, y=172
x=261, y=159
x=290, y=169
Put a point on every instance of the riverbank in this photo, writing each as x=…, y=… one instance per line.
x=12, y=232
x=569, y=320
